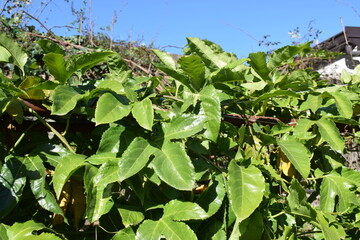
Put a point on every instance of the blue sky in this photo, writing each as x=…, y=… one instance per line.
x=232, y=24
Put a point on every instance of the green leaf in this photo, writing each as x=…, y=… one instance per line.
x=15, y=110
x=195, y=69
x=130, y=215
x=211, y=107
x=302, y=127
x=11, y=48
x=297, y=201
x=65, y=99
x=27, y=84
x=124, y=234
x=164, y=228
x=143, y=113
x=254, y=86
x=110, y=140
x=246, y=186
x=286, y=55
x=85, y=61
x=44, y=236
x=297, y=154
x=211, y=54
x=111, y=108
x=178, y=75
x=116, y=64
x=343, y=104
x=56, y=65
x=166, y=59
x=174, y=166
x=50, y=46
x=331, y=231
x=225, y=75
x=258, y=63
x=335, y=192
x=183, y=211
x=330, y=133
x=63, y=171
x=12, y=183
x=5, y=55
x=183, y=126
x=131, y=162
x=313, y=102
x=21, y=231
x=98, y=197
x=42, y=193
x=253, y=227
x=276, y=93
x=212, y=198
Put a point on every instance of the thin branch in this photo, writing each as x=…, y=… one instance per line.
x=48, y=30
x=350, y=6
x=3, y=8
x=137, y=65
x=45, y=6
x=249, y=35
x=61, y=42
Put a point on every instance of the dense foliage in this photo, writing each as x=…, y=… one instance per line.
x=214, y=148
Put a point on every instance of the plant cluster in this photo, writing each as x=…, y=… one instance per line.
x=216, y=148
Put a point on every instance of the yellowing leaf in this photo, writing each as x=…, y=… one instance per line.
x=285, y=165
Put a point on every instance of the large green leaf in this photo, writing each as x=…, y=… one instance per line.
x=211, y=54
x=12, y=183
x=297, y=154
x=111, y=108
x=246, y=186
x=98, y=197
x=183, y=126
x=183, y=211
x=11, y=48
x=143, y=113
x=286, y=55
x=195, y=69
x=21, y=231
x=164, y=228
x=331, y=134
x=110, y=140
x=211, y=107
x=335, y=191
x=174, y=166
x=56, y=65
x=65, y=99
x=42, y=193
x=62, y=70
x=131, y=162
x=63, y=171
x=343, y=104
x=258, y=63
x=253, y=227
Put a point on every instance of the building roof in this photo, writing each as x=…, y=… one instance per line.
x=338, y=41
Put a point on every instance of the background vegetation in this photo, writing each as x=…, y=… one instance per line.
x=107, y=140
